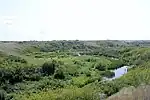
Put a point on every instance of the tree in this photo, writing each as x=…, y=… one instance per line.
x=48, y=68
x=115, y=64
x=100, y=66
x=108, y=74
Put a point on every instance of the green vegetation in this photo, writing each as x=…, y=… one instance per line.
x=70, y=70
x=108, y=74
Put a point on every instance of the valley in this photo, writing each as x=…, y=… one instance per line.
x=73, y=69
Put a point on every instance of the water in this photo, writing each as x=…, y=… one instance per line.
x=120, y=71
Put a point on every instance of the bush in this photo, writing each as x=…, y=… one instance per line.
x=110, y=88
x=38, y=56
x=80, y=81
x=12, y=75
x=73, y=93
x=77, y=62
x=100, y=67
x=48, y=68
x=90, y=60
x=88, y=74
x=108, y=74
x=16, y=59
x=115, y=64
x=139, y=62
x=59, y=74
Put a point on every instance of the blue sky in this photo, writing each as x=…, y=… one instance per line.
x=74, y=19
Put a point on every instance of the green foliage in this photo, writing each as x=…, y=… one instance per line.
x=107, y=74
x=135, y=77
x=80, y=81
x=115, y=64
x=136, y=55
x=12, y=76
x=59, y=74
x=72, y=70
x=90, y=60
x=31, y=49
x=3, y=54
x=77, y=62
x=100, y=66
x=139, y=62
x=110, y=88
x=2, y=95
x=15, y=59
x=72, y=93
x=15, y=75
x=48, y=68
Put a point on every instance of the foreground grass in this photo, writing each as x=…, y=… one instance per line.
x=73, y=93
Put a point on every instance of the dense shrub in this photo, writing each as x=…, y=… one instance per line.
x=16, y=59
x=100, y=66
x=11, y=76
x=135, y=78
x=136, y=55
x=15, y=75
x=77, y=62
x=88, y=73
x=48, y=68
x=73, y=93
x=110, y=88
x=139, y=62
x=38, y=56
x=90, y=60
x=61, y=62
x=115, y=64
x=59, y=74
x=107, y=74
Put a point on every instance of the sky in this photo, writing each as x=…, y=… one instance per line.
x=22, y=20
